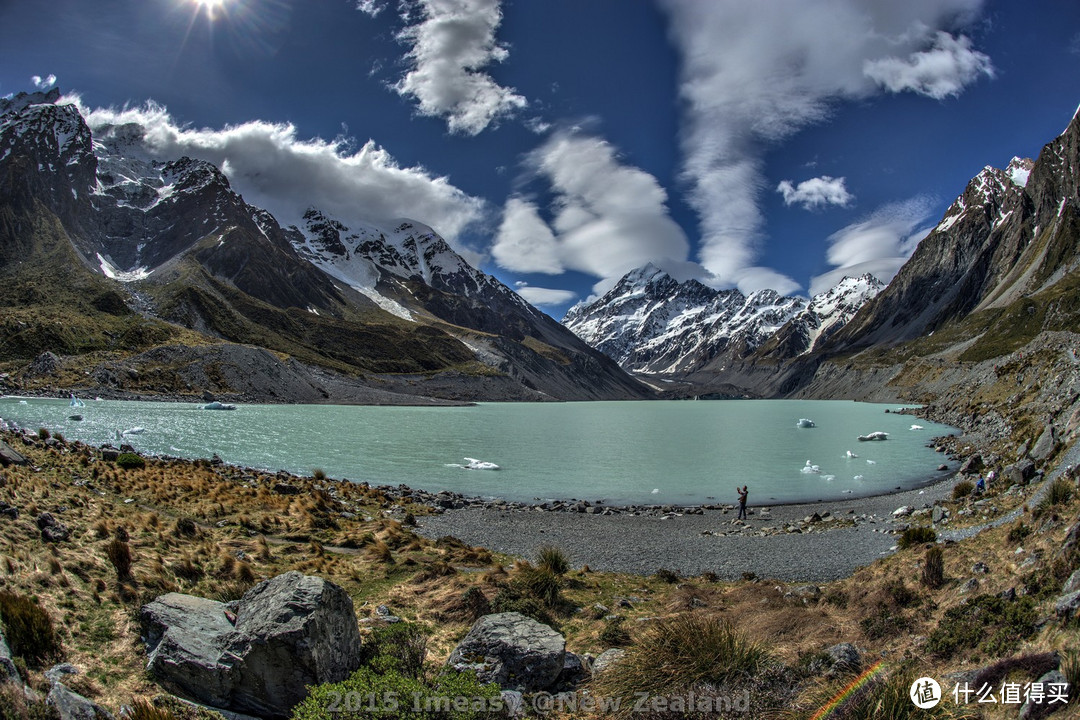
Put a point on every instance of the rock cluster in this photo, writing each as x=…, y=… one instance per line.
x=257, y=655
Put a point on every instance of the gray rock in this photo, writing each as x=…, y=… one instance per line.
x=71, y=705
x=903, y=511
x=972, y=465
x=1030, y=710
x=937, y=514
x=8, y=456
x=1066, y=605
x=52, y=530
x=287, y=633
x=575, y=671
x=1045, y=445
x=7, y=667
x=513, y=703
x=1019, y=473
x=970, y=586
x=512, y=650
x=980, y=568
x=1072, y=584
x=845, y=657
x=606, y=660
x=47, y=363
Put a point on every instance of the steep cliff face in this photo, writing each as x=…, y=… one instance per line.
x=176, y=246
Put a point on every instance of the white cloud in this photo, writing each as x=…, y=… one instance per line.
x=450, y=45
x=879, y=244
x=608, y=217
x=816, y=192
x=544, y=297
x=275, y=169
x=43, y=83
x=371, y=7
x=944, y=70
x=753, y=74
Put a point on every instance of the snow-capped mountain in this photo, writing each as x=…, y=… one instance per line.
x=174, y=238
x=650, y=323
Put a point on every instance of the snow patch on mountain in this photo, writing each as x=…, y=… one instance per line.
x=650, y=323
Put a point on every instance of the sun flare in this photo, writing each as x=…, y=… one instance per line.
x=213, y=8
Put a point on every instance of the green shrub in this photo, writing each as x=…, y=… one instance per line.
x=962, y=489
x=43, y=434
x=614, y=634
x=987, y=622
x=401, y=647
x=370, y=693
x=318, y=475
x=1060, y=492
x=916, y=535
x=130, y=461
x=553, y=560
x=689, y=653
x=901, y=594
x=884, y=623
x=933, y=570
x=29, y=630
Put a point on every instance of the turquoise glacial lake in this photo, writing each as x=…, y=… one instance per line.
x=619, y=452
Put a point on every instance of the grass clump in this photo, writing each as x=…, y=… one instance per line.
x=989, y=623
x=510, y=599
x=916, y=535
x=962, y=489
x=614, y=634
x=142, y=709
x=130, y=461
x=885, y=622
x=553, y=560
x=1018, y=532
x=401, y=647
x=14, y=705
x=933, y=570
x=1059, y=493
x=119, y=554
x=885, y=696
x=689, y=653
x=29, y=630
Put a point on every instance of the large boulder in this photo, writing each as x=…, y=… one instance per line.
x=8, y=456
x=512, y=650
x=286, y=633
x=1045, y=445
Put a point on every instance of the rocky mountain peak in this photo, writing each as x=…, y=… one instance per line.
x=23, y=100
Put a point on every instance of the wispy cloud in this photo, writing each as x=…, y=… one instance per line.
x=753, y=74
x=43, y=83
x=943, y=70
x=816, y=192
x=544, y=297
x=878, y=244
x=451, y=43
x=275, y=169
x=607, y=217
x=371, y=7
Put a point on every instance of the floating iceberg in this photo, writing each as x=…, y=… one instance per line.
x=809, y=468
x=218, y=406
x=875, y=436
x=475, y=464
x=805, y=423
x=851, y=454
x=916, y=427
x=76, y=402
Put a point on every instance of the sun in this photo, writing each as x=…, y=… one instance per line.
x=213, y=8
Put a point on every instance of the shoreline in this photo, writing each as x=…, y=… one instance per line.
x=849, y=533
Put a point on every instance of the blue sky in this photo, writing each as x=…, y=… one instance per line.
x=560, y=143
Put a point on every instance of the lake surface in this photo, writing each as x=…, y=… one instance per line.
x=621, y=452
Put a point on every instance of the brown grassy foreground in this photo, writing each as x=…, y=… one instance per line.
x=215, y=530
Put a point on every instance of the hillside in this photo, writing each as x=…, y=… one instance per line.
x=138, y=273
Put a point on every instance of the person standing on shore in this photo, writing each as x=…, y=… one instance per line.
x=743, y=492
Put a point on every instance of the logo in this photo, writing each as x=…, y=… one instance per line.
x=925, y=693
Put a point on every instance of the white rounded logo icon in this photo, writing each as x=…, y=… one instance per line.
x=925, y=693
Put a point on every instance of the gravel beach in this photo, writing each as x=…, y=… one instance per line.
x=643, y=544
